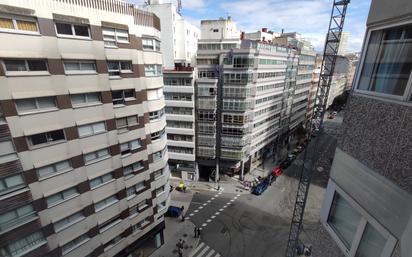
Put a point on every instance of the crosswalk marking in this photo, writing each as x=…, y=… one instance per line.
x=203, y=250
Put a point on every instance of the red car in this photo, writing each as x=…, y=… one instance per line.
x=277, y=171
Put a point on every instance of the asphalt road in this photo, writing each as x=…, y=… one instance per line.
x=258, y=226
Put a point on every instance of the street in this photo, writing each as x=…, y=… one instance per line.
x=235, y=223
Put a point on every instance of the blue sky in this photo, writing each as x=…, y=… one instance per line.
x=309, y=17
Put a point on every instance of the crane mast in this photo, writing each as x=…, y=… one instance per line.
x=330, y=54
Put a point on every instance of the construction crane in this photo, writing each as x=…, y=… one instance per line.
x=179, y=7
x=330, y=54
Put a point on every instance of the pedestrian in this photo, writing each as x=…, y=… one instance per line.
x=183, y=215
x=198, y=232
x=195, y=231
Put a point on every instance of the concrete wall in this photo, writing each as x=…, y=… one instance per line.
x=383, y=10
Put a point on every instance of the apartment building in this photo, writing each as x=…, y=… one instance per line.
x=368, y=203
x=179, y=45
x=313, y=90
x=243, y=88
x=343, y=44
x=339, y=80
x=83, y=171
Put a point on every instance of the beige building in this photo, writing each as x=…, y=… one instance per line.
x=83, y=160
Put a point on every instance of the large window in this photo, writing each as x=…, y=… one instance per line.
x=18, y=24
x=124, y=122
x=17, y=217
x=46, y=138
x=11, y=183
x=100, y=180
x=25, y=244
x=159, y=154
x=151, y=44
x=388, y=61
x=116, y=68
x=91, y=129
x=120, y=97
x=154, y=94
x=61, y=196
x=75, y=243
x=156, y=114
x=54, y=169
x=80, y=100
x=135, y=189
x=72, y=30
x=179, y=110
x=158, y=135
x=113, y=36
x=25, y=67
x=132, y=168
x=96, y=155
x=36, y=104
x=153, y=70
x=7, y=151
x=356, y=232
x=80, y=67
x=128, y=147
x=105, y=203
x=68, y=221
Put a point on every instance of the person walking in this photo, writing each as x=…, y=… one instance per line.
x=195, y=230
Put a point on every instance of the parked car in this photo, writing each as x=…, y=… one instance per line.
x=173, y=211
x=295, y=151
x=334, y=113
x=291, y=157
x=277, y=171
x=261, y=187
x=331, y=116
x=285, y=164
x=300, y=148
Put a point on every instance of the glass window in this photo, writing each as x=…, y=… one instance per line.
x=36, y=104
x=26, y=24
x=64, y=28
x=388, y=61
x=79, y=66
x=68, y=221
x=105, y=203
x=61, y=196
x=17, y=217
x=113, y=36
x=97, y=155
x=11, y=183
x=371, y=244
x=91, y=129
x=7, y=151
x=72, y=30
x=25, y=65
x=74, y=243
x=344, y=220
x=100, y=180
x=19, y=246
x=55, y=168
x=85, y=99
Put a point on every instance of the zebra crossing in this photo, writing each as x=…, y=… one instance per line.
x=203, y=250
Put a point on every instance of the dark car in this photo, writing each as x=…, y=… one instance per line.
x=261, y=187
x=173, y=211
x=285, y=164
x=291, y=157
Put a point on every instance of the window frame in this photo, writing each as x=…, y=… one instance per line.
x=63, y=198
x=130, y=149
x=15, y=30
x=94, y=132
x=73, y=35
x=107, y=204
x=87, y=103
x=116, y=40
x=26, y=72
x=38, y=109
x=95, y=153
x=366, y=218
x=80, y=71
x=49, y=142
x=407, y=95
x=119, y=70
x=19, y=220
x=9, y=156
x=70, y=223
x=101, y=181
x=55, y=171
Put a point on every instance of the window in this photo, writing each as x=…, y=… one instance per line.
x=177, y=137
x=140, y=225
x=105, y=203
x=18, y=24
x=61, y=196
x=125, y=122
x=206, y=116
x=11, y=183
x=178, y=97
x=112, y=243
x=120, y=97
x=100, y=180
x=160, y=191
x=91, y=129
x=139, y=207
x=344, y=220
x=72, y=30
x=113, y=36
x=242, y=62
x=109, y=223
x=180, y=149
x=97, y=155
x=20, y=246
x=54, y=168
x=157, y=135
x=156, y=114
x=128, y=147
x=179, y=124
x=17, y=67
x=134, y=190
x=178, y=110
x=46, y=137
x=153, y=70
x=7, y=151
x=161, y=206
x=36, y=104
x=159, y=154
x=75, y=243
x=355, y=231
x=118, y=67
x=17, y=217
x=68, y=221
x=154, y=94
x=132, y=168
x=151, y=44
x=177, y=82
x=79, y=67
x=79, y=100
x=387, y=65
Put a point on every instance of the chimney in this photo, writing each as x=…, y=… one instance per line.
x=264, y=29
x=242, y=35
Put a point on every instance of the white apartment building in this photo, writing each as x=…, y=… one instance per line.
x=179, y=45
x=343, y=44
x=83, y=165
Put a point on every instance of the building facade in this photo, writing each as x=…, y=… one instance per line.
x=368, y=203
x=343, y=44
x=83, y=169
x=179, y=45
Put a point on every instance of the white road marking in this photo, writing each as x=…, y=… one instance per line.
x=224, y=206
x=216, y=195
x=191, y=214
x=197, y=249
x=232, y=200
x=204, y=224
x=212, y=198
x=237, y=195
x=210, y=253
x=220, y=193
x=209, y=220
x=213, y=217
x=204, y=204
x=208, y=201
x=217, y=213
x=203, y=251
x=220, y=209
x=187, y=218
x=200, y=207
x=196, y=210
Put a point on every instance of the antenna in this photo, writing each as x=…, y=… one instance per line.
x=179, y=6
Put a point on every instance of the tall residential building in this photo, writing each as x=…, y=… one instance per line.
x=343, y=44
x=240, y=96
x=339, y=79
x=368, y=203
x=83, y=171
x=179, y=45
x=313, y=89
